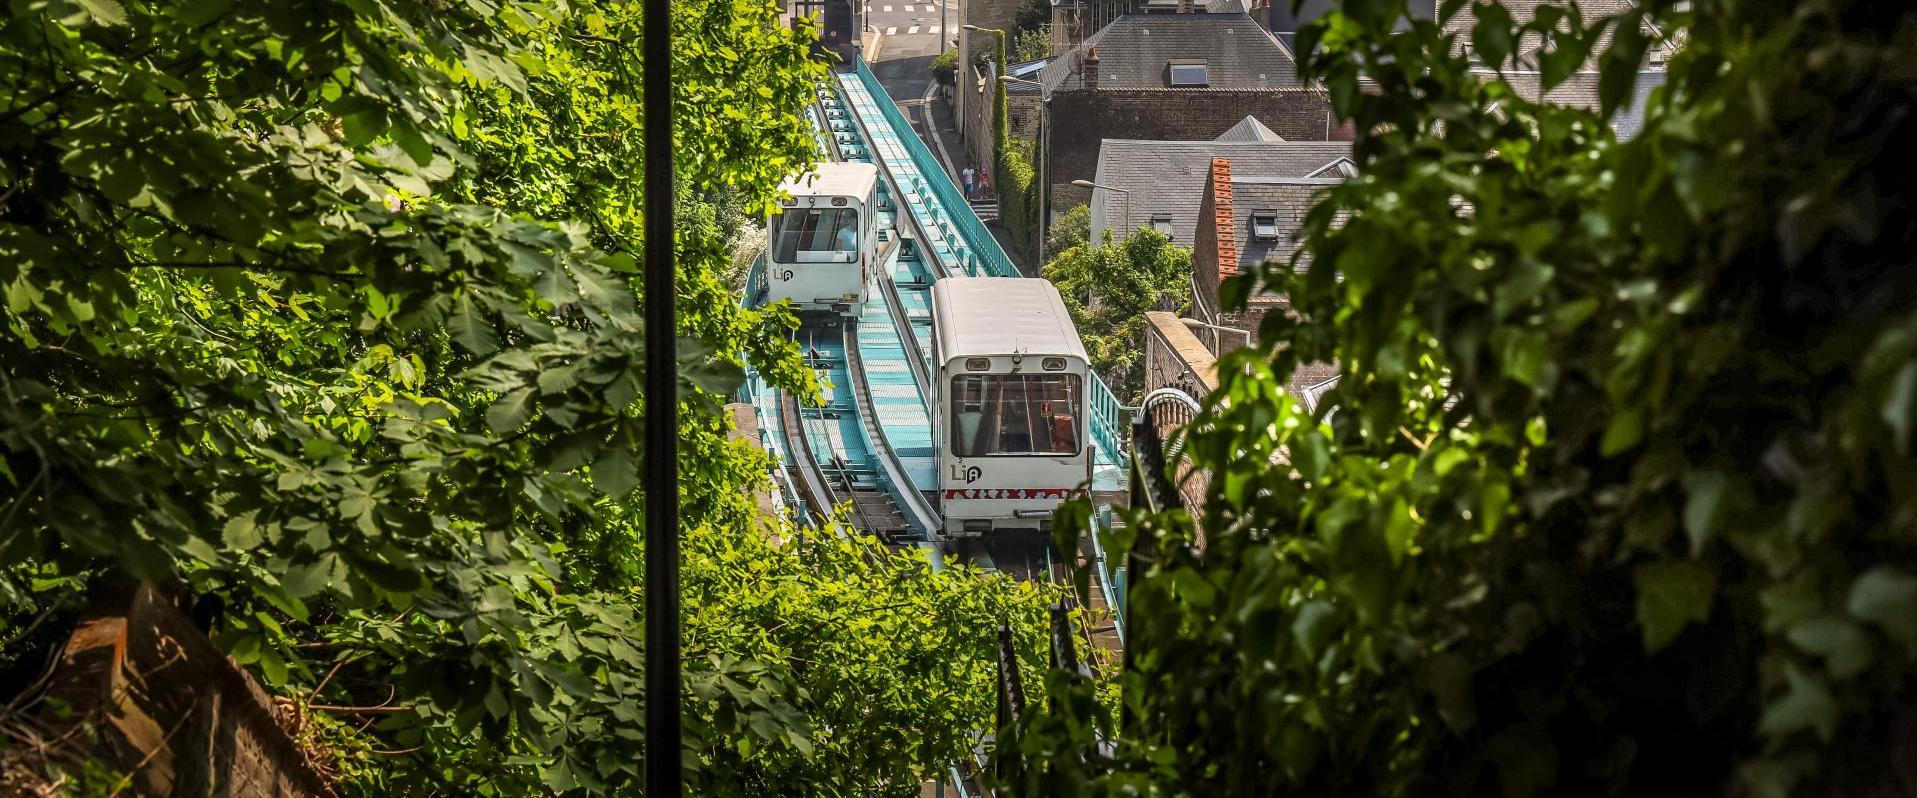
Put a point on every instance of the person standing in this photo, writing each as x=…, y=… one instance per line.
x=966, y=178
x=985, y=183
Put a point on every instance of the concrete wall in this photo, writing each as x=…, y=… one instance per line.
x=157, y=701
x=976, y=127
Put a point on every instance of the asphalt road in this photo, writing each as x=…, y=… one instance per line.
x=912, y=32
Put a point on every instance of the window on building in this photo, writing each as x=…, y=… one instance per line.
x=1264, y=225
x=1163, y=225
x=1015, y=414
x=1189, y=74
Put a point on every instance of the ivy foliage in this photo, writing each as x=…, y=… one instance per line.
x=325, y=315
x=1013, y=178
x=1617, y=495
x=1108, y=289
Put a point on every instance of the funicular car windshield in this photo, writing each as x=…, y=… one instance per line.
x=815, y=234
x=997, y=414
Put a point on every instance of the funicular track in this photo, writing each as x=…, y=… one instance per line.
x=932, y=233
x=872, y=446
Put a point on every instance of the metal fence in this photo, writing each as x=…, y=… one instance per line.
x=979, y=240
x=1108, y=418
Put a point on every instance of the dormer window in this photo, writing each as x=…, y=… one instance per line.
x=1163, y=225
x=1189, y=74
x=1264, y=225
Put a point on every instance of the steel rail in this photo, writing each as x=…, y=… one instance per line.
x=813, y=488
x=918, y=511
x=908, y=335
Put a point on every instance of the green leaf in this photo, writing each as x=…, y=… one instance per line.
x=272, y=667
x=241, y=532
x=364, y=124
x=396, y=578
x=1624, y=431
x=1886, y=597
x=200, y=549
x=304, y=580
x=105, y=12
x=1703, y=505
x=1846, y=649
x=615, y=471
x=1313, y=627
x=1900, y=404
x=1671, y=594
x=510, y=412
x=471, y=328
x=556, y=286
x=1808, y=705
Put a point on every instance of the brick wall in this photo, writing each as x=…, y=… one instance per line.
x=1081, y=119
x=1215, y=251
x=1023, y=109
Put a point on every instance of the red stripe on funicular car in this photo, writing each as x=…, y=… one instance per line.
x=1010, y=493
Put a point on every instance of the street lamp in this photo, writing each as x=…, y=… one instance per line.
x=1196, y=324
x=1125, y=230
x=1044, y=157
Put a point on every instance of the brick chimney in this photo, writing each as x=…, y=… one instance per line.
x=1091, y=68
x=1223, y=222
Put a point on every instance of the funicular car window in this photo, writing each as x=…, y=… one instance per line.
x=1015, y=414
x=799, y=230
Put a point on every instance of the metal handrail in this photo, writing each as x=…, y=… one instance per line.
x=978, y=239
x=1105, y=410
x=902, y=216
x=1100, y=569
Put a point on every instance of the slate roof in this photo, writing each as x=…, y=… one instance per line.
x=1134, y=49
x=1167, y=178
x=1580, y=90
x=1249, y=129
x=1288, y=198
x=1524, y=11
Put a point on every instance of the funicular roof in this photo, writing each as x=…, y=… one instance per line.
x=1002, y=316
x=834, y=179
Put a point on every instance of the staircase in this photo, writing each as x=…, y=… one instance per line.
x=986, y=209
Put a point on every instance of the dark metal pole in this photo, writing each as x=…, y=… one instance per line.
x=663, y=753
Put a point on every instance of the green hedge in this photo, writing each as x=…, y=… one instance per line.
x=1017, y=196
x=945, y=67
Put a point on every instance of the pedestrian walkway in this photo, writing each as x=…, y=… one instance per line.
x=938, y=125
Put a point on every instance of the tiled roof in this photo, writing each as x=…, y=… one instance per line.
x=1134, y=49
x=1167, y=178
x=1249, y=129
